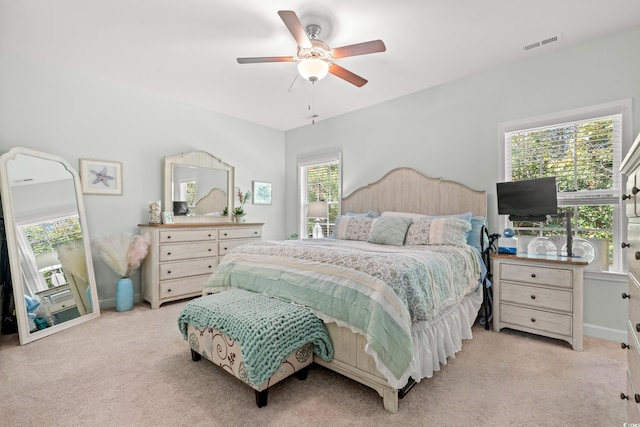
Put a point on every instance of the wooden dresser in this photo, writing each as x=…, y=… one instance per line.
x=631, y=203
x=540, y=295
x=182, y=256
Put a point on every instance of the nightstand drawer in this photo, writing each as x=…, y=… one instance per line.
x=537, y=320
x=186, y=286
x=188, y=251
x=239, y=233
x=187, y=235
x=174, y=270
x=536, y=275
x=537, y=297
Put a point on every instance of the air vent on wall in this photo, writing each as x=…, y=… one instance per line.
x=541, y=43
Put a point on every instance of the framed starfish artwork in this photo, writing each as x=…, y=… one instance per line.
x=100, y=177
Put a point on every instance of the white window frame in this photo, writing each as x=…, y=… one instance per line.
x=622, y=107
x=303, y=203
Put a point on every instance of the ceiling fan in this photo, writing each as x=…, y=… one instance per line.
x=315, y=58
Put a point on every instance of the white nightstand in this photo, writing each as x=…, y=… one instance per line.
x=540, y=295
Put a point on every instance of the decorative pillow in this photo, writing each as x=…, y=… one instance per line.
x=352, y=228
x=439, y=231
x=389, y=230
x=478, y=237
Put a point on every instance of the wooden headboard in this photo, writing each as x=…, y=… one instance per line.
x=406, y=190
x=214, y=201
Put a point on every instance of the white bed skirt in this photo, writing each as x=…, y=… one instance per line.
x=434, y=342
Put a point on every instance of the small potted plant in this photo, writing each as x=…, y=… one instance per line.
x=239, y=214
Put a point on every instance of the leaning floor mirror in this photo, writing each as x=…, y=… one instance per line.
x=52, y=275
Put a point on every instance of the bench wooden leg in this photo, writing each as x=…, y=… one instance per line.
x=261, y=397
x=195, y=356
x=302, y=373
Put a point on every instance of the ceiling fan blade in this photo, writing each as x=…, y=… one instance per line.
x=266, y=59
x=359, y=49
x=347, y=75
x=295, y=27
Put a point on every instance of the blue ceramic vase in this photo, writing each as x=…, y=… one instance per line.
x=124, y=294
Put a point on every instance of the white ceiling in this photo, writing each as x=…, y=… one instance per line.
x=186, y=50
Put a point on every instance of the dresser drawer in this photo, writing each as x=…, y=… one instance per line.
x=633, y=238
x=239, y=233
x=188, y=251
x=224, y=246
x=537, y=297
x=174, y=270
x=633, y=408
x=536, y=320
x=186, y=286
x=169, y=236
x=536, y=275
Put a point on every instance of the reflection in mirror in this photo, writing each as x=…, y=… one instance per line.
x=50, y=259
x=198, y=187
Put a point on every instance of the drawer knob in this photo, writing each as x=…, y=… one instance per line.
x=625, y=346
x=637, y=255
x=533, y=297
x=638, y=327
x=168, y=290
x=635, y=189
x=533, y=275
x=225, y=248
x=209, y=234
x=255, y=232
x=624, y=396
x=637, y=398
x=625, y=295
x=626, y=196
x=168, y=253
x=168, y=237
x=625, y=245
x=209, y=249
x=533, y=320
x=169, y=272
x=225, y=234
x=209, y=266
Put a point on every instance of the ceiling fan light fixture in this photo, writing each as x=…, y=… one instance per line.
x=313, y=69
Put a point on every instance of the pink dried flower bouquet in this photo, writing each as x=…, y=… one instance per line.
x=124, y=252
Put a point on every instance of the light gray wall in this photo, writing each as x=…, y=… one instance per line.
x=62, y=112
x=451, y=131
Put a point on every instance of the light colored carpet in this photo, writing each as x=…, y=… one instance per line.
x=134, y=369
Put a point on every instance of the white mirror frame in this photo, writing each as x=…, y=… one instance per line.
x=198, y=159
x=25, y=335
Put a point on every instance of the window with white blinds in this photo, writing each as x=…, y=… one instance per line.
x=584, y=156
x=319, y=178
x=582, y=150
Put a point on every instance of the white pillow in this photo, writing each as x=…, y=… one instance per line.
x=414, y=216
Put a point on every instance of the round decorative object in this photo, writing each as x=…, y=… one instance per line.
x=582, y=248
x=542, y=246
x=508, y=232
x=124, y=294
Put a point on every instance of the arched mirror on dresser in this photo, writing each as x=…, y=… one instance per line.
x=198, y=187
x=48, y=244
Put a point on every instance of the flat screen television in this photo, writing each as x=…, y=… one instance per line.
x=528, y=200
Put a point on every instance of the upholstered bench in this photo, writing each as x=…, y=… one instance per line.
x=258, y=339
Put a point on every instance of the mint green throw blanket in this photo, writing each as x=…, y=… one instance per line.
x=268, y=329
x=377, y=290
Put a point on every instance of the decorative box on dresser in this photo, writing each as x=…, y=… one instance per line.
x=539, y=294
x=631, y=168
x=182, y=256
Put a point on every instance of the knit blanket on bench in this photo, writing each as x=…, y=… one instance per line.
x=268, y=329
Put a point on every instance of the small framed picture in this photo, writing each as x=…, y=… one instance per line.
x=167, y=217
x=261, y=193
x=100, y=177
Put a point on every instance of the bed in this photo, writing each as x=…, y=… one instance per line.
x=383, y=336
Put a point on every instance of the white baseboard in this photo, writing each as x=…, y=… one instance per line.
x=605, y=333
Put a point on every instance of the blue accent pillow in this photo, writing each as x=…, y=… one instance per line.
x=478, y=237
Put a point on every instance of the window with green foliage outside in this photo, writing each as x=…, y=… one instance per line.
x=584, y=157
